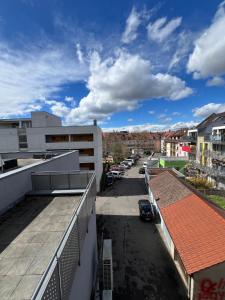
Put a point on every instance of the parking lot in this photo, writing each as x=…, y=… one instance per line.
x=142, y=267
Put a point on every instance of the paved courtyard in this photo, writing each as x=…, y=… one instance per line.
x=142, y=267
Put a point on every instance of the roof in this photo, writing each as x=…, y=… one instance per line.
x=196, y=226
x=198, y=232
x=30, y=233
x=209, y=120
x=168, y=189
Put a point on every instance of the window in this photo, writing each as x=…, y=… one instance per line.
x=82, y=137
x=61, y=138
x=87, y=166
x=86, y=152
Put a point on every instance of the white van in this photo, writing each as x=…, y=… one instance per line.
x=116, y=174
x=130, y=160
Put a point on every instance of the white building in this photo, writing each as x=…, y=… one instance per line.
x=44, y=132
x=48, y=233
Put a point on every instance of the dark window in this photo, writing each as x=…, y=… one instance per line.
x=87, y=166
x=82, y=137
x=60, y=138
x=86, y=152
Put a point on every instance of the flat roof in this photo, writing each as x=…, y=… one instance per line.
x=30, y=234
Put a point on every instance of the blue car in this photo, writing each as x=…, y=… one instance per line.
x=146, y=210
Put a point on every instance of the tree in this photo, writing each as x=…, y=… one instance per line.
x=119, y=152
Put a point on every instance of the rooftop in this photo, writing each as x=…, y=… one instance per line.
x=196, y=226
x=168, y=189
x=30, y=234
x=198, y=232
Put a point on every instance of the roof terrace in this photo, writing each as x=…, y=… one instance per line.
x=41, y=238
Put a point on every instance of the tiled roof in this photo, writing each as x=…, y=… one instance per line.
x=198, y=232
x=168, y=189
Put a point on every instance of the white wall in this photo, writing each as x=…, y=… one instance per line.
x=9, y=140
x=86, y=272
x=15, y=184
x=213, y=276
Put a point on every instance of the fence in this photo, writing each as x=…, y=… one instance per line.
x=57, y=280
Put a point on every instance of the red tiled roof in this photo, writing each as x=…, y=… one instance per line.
x=198, y=232
x=168, y=188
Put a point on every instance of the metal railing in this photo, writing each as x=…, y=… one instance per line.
x=57, y=279
x=60, y=180
x=217, y=138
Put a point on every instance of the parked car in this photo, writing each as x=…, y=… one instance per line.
x=146, y=210
x=141, y=170
x=118, y=168
x=125, y=166
x=109, y=180
x=130, y=160
x=129, y=163
x=115, y=174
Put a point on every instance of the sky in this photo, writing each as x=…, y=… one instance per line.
x=132, y=65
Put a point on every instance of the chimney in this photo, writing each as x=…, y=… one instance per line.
x=95, y=122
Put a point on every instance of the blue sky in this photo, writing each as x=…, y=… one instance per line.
x=134, y=65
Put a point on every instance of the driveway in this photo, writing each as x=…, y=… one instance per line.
x=142, y=267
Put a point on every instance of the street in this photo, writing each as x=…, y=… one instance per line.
x=142, y=267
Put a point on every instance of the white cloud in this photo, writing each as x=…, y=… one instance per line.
x=119, y=83
x=161, y=29
x=208, y=109
x=79, y=54
x=60, y=109
x=130, y=120
x=132, y=24
x=215, y=81
x=69, y=99
x=151, y=112
x=152, y=127
x=207, y=58
x=176, y=113
x=28, y=77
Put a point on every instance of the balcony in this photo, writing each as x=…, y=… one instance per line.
x=217, y=139
x=189, y=138
x=42, y=238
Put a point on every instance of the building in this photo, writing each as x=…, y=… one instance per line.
x=171, y=143
x=44, y=132
x=48, y=231
x=139, y=141
x=210, y=149
x=189, y=143
x=193, y=230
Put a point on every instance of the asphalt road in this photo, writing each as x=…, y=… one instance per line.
x=142, y=267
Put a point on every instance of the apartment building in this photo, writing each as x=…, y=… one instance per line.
x=172, y=144
x=193, y=231
x=44, y=132
x=143, y=141
x=48, y=231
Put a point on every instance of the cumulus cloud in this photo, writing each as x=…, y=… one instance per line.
x=161, y=29
x=29, y=76
x=208, y=109
x=152, y=127
x=215, y=81
x=207, y=58
x=132, y=23
x=118, y=83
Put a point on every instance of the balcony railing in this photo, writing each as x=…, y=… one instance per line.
x=217, y=138
x=189, y=138
x=57, y=279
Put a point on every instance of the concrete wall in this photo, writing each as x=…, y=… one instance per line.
x=213, y=279
x=36, y=142
x=15, y=184
x=44, y=119
x=9, y=140
x=85, y=273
